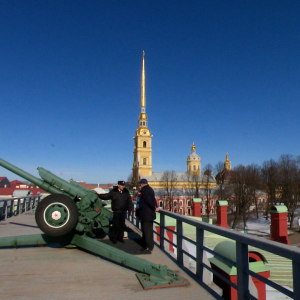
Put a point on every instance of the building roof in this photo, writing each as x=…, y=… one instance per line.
x=14, y=183
x=10, y=191
x=180, y=176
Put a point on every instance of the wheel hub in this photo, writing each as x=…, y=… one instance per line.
x=56, y=215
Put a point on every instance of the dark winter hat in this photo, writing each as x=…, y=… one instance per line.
x=121, y=182
x=143, y=181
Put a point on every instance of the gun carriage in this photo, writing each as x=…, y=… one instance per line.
x=71, y=215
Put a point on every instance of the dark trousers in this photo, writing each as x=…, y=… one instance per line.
x=147, y=229
x=118, y=226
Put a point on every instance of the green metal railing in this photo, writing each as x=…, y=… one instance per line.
x=242, y=242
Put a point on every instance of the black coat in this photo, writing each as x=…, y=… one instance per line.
x=147, y=204
x=121, y=201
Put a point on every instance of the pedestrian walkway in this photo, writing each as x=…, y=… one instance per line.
x=60, y=273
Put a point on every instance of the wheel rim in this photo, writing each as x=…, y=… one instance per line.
x=56, y=215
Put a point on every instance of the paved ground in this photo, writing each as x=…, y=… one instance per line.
x=60, y=273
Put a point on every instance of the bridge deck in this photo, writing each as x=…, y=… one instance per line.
x=60, y=273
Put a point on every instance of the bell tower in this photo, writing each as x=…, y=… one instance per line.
x=193, y=162
x=142, y=160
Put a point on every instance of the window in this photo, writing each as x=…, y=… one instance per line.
x=180, y=211
x=194, y=167
x=189, y=203
x=175, y=203
x=144, y=144
x=180, y=203
x=160, y=203
x=189, y=211
x=144, y=161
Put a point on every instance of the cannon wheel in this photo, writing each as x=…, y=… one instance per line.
x=56, y=215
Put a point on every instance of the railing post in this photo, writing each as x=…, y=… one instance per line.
x=162, y=230
x=4, y=211
x=199, y=253
x=242, y=262
x=18, y=206
x=296, y=279
x=179, y=242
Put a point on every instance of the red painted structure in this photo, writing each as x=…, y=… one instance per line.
x=229, y=292
x=169, y=234
x=197, y=207
x=279, y=230
x=222, y=213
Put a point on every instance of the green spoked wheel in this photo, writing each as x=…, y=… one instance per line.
x=56, y=215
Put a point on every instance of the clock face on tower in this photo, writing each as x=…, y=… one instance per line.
x=144, y=132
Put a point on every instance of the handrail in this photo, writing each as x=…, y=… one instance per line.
x=10, y=207
x=243, y=241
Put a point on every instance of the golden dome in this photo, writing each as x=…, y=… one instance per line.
x=143, y=116
x=193, y=147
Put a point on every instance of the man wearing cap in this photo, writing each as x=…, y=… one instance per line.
x=147, y=209
x=120, y=203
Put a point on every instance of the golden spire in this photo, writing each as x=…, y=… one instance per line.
x=143, y=117
x=143, y=98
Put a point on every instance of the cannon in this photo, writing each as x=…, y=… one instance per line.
x=71, y=216
x=70, y=205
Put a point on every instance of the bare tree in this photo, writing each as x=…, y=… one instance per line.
x=240, y=181
x=254, y=182
x=220, y=178
x=169, y=179
x=206, y=182
x=288, y=181
x=193, y=184
x=269, y=180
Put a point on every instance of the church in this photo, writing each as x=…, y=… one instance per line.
x=188, y=193
x=173, y=190
x=142, y=161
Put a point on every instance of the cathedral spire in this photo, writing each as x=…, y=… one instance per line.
x=143, y=120
x=143, y=98
x=142, y=160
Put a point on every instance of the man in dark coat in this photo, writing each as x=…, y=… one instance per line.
x=147, y=209
x=121, y=202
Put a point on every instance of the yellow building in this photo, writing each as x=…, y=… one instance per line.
x=193, y=162
x=142, y=161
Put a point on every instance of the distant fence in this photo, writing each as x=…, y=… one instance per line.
x=10, y=207
x=242, y=242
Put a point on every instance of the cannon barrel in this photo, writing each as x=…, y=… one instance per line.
x=75, y=191
x=42, y=184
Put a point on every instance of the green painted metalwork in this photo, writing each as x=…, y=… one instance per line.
x=156, y=275
x=278, y=209
x=228, y=250
x=197, y=200
x=222, y=203
x=72, y=206
x=92, y=215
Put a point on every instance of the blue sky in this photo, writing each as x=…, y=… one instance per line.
x=222, y=74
